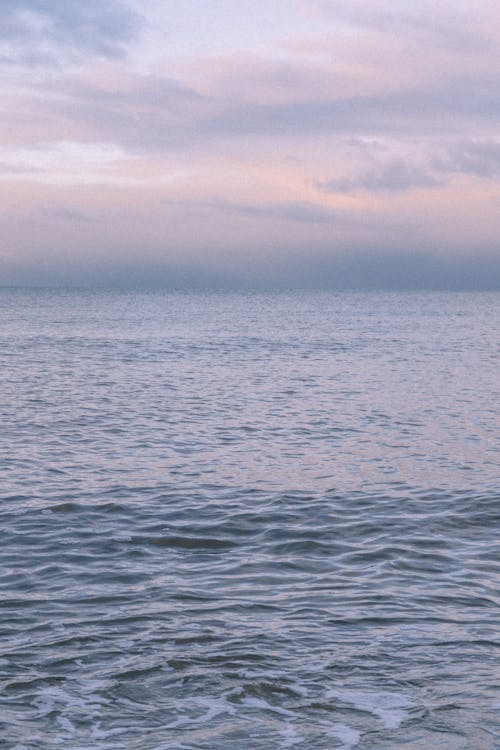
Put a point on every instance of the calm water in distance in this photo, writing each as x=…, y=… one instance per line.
x=257, y=521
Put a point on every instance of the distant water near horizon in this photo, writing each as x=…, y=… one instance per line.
x=249, y=520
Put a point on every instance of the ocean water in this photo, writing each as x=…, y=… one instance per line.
x=255, y=521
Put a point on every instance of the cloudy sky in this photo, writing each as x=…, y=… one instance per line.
x=246, y=143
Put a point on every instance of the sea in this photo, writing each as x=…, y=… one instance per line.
x=249, y=520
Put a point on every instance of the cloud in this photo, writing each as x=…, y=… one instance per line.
x=13, y=170
x=249, y=96
x=314, y=159
x=138, y=111
x=153, y=112
x=479, y=158
x=295, y=211
x=145, y=112
x=44, y=29
x=68, y=215
x=393, y=176
x=465, y=157
x=442, y=22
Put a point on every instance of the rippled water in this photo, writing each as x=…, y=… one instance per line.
x=254, y=521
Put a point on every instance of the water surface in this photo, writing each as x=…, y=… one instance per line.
x=249, y=520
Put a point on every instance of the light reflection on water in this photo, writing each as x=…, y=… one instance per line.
x=258, y=519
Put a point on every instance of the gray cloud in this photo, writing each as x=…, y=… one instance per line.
x=450, y=107
x=142, y=112
x=155, y=113
x=480, y=158
x=69, y=215
x=476, y=158
x=450, y=26
x=302, y=212
x=88, y=26
x=14, y=169
x=393, y=176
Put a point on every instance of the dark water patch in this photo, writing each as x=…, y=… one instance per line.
x=192, y=543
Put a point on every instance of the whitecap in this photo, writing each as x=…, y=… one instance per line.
x=101, y=734
x=389, y=707
x=347, y=735
x=290, y=736
x=253, y=702
x=215, y=707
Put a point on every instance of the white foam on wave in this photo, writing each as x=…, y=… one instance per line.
x=214, y=707
x=390, y=708
x=56, y=699
x=104, y=734
x=88, y=685
x=253, y=702
x=65, y=703
x=290, y=736
x=347, y=735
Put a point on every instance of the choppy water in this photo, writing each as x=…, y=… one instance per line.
x=249, y=521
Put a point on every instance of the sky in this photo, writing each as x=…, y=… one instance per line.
x=242, y=143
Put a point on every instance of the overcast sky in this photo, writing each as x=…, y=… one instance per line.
x=332, y=143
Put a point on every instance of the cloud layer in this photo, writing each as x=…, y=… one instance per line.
x=43, y=30
x=361, y=146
